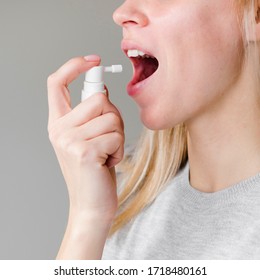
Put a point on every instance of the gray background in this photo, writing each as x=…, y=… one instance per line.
x=36, y=38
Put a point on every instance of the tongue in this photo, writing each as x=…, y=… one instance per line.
x=149, y=66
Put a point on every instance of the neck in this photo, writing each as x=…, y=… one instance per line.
x=224, y=141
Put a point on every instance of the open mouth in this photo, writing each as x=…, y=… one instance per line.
x=144, y=65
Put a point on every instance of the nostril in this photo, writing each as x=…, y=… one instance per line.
x=129, y=22
x=121, y=16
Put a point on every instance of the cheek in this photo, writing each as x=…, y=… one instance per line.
x=201, y=59
x=205, y=39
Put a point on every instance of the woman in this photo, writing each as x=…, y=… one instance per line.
x=191, y=189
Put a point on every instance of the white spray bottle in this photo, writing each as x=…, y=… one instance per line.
x=94, y=80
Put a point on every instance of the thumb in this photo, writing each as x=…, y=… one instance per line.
x=58, y=93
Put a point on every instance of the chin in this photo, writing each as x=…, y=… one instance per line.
x=149, y=122
x=154, y=122
x=159, y=121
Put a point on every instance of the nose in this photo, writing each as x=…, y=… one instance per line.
x=131, y=13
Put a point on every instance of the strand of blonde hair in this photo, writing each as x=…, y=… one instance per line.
x=158, y=159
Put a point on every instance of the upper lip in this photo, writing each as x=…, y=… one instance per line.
x=130, y=45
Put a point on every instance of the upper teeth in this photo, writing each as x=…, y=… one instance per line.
x=136, y=53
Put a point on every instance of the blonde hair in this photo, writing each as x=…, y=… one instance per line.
x=252, y=54
x=160, y=154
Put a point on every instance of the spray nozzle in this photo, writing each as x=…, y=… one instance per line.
x=114, y=69
x=94, y=80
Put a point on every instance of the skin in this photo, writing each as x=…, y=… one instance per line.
x=200, y=81
x=88, y=141
x=197, y=53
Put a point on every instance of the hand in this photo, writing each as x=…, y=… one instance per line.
x=88, y=141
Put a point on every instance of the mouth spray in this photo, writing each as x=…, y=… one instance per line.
x=94, y=80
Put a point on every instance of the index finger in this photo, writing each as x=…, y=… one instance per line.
x=58, y=93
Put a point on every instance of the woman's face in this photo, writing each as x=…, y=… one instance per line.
x=198, y=46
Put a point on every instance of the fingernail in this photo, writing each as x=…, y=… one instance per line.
x=92, y=57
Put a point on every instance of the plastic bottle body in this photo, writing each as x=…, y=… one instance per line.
x=94, y=80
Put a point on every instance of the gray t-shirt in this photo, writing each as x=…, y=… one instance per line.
x=184, y=223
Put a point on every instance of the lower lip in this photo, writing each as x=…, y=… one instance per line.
x=134, y=89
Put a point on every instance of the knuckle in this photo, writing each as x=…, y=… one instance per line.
x=113, y=120
x=66, y=144
x=118, y=138
x=51, y=137
x=79, y=152
x=54, y=131
x=52, y=134
x=100, y=98
x=76, y=60
x=60, y=139
x=120, y=153
x=74, y=151
x=90, y=154
x=52, y=79
x=84, y=154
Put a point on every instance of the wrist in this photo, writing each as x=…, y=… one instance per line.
x=84, y=238
x=103, y=216
x=82, y=221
